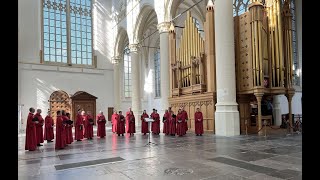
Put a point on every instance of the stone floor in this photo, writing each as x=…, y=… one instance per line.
x=207, y=157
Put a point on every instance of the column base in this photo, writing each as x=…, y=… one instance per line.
x=227, y=120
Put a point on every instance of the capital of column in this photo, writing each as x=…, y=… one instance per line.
x=134, y=47
x=115, y=59
x=164, y=27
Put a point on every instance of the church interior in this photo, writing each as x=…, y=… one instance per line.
x=238, y=63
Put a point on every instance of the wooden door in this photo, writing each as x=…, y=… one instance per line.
x=110, y=112
x=59, y=100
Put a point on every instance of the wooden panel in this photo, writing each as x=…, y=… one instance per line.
x=243, y=52
x=206, y=102
x=86, y=106
x=110, y=112
x=59, y=100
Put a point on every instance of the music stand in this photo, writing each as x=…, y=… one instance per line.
x=149, y=120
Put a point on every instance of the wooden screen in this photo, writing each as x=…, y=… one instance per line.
x=59, y=100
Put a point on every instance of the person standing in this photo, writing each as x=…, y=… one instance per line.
x=114, y=122
x=88, y=121
x=120, y=123
x=198, y=122
x=39, y=127
x=165, y=121
x=101, y=122
x=31, y=137
x=180, y=124
x=185, y=118
x=69, y=126
x=79, y=127
x=60, y=132
x=131, y=123
x=172, y=124
x=144, y=124
x=65, y=120
x=156, y=123
x=48, y=128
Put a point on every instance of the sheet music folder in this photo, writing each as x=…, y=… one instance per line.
x=148, y=119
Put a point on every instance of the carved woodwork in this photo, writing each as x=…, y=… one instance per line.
x=59, y=100
x=84, y=101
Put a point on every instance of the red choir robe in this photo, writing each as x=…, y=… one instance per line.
x=78, y=128
x=198, y=123
x=39, y=128
x=120, y=124
x=114, y=123
x=165, y=120
x=68, y=130
x=130, y=123
x=185, y=117
x=101, y=122
x=172, y=125
x=31, y=134
x=144, y=124
x=181, y=130
x=88, y=130
x=48, y=128
x=156, y=123
x=60, y=133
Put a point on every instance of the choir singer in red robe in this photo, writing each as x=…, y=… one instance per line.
x=198, y=122
x=181, y=130
x=79, y=127
x=60, y=132
x=114, y=122
x=88, y=130
x=185, y=117
x=156, y=123
x=172, y=124
x=39, y=127
x=69, y=127
x=144, y=124
x=66, y=128
x=48, y=128
x=31, y=137
x=101, y=122
x=131, y=123
x=165, y=121
x=120, y=122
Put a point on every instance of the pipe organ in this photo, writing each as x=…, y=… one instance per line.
x=263, y=53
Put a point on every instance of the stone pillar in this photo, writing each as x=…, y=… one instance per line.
x=227, y=114
x=135, y=79
x=277, y=110
x=164, y=66
x=116, y=82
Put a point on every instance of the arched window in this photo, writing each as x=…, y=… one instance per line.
x=196, y=22
x=295, y=67
x=127, y=72
x=240, y=7
x=157, y=72
x=67, y=31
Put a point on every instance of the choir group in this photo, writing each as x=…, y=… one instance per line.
x=172, y=124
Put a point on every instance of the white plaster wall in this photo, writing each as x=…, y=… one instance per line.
x=296, y=104
x=38, y=82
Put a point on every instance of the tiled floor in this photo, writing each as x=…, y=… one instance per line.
x=191, y=157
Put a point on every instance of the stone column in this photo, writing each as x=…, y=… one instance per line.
x=164, y=66
x=116, y=82
x=227, y=114
x=277, y=110
x=135, y=79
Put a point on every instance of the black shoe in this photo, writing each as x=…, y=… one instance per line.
x=200, y=134
x=122, y=135
x=39, y=145
x=118, y=134
x=79, y=140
